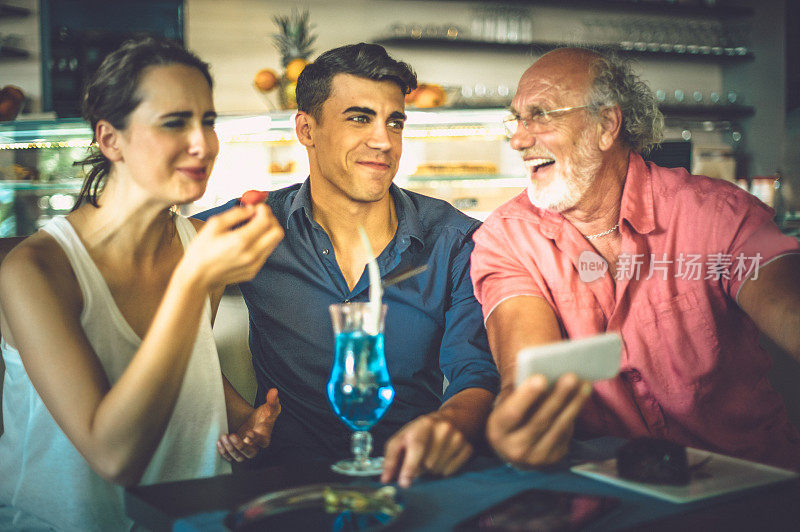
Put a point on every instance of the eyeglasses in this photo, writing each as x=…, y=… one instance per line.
x=538, y=120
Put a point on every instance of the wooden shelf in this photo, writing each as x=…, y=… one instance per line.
x=7, y=11
x=465, y=44
x=694, y=112
x=543, y=46
x=67, y=185
x=653, y=7
x=707, y=112
x=10, y=52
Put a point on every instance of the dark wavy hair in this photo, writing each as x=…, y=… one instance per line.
x=364, y=60
x=112, y=94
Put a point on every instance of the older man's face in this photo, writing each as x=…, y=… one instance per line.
x=562, y=156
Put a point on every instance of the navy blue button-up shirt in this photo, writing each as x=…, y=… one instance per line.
x=433, y=328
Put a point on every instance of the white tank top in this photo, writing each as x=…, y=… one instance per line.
x=41, y=472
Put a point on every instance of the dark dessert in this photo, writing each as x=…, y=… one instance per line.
x=654, y=461
x=11, y=100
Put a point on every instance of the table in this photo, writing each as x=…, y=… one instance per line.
x=437, y=504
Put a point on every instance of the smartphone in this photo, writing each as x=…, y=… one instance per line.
x=541, y=510
x=591, y=359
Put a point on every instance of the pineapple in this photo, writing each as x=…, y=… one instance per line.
x=293, y=40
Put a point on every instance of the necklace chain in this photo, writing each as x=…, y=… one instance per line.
x=604, y=233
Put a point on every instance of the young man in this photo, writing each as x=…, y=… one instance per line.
x=350, y=119
x=675, y=255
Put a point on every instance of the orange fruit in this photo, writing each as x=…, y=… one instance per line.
x=266, y=79
x=294, y=68
x=411, y=96
x=429, y=95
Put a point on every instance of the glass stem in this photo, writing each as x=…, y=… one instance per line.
x=361, y=445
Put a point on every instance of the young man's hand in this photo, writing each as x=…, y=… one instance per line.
x=252, y=435
x=428, y=444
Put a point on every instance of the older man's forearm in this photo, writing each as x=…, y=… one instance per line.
x=467, y=411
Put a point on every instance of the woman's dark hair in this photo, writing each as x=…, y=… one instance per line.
x=364, y=60
x=112, y=94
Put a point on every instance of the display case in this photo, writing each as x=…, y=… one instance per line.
x=459, y=155
x=37, y=175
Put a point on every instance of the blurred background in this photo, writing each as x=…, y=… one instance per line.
x=726, y=73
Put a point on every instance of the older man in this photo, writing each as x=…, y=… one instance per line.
x=694, y=269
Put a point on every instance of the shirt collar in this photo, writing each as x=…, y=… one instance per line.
x=637, y=196
x=302, y=199
x=550, y=222
x=409, y=225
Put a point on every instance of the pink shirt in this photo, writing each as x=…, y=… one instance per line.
x=692, y=370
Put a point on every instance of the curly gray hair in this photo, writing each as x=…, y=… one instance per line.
x=615, y=83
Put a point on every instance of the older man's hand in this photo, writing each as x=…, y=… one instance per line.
x=532, y=426
x=428, y=444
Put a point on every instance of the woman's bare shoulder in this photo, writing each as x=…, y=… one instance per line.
x=38, y=258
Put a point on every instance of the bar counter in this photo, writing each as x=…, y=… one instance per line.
x=439, y=504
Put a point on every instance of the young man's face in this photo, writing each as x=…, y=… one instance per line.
x=356, y=144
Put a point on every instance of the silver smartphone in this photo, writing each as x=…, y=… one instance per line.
x=592, y=359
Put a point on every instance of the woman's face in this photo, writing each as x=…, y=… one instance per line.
x=169, y=145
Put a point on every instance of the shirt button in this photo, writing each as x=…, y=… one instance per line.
x=635, y=376
x=325, y=251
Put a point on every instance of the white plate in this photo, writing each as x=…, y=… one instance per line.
x=722, y=474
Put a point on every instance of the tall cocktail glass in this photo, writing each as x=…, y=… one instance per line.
x=359, y=388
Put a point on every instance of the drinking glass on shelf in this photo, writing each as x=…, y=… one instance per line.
x=694, y=39
x=640, y=34
x=716, y=37
x=679, y=36
x=501, y=25
x=514, y=28
x=398, y=30
x=359, y=388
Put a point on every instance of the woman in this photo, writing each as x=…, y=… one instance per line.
x=112, y=373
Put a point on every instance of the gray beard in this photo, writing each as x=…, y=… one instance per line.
x=564, y=193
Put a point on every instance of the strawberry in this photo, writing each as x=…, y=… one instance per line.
x=253, y=197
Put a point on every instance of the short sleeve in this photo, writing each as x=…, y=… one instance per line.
x=755, y=242
x=464, y=355
x=497, y=274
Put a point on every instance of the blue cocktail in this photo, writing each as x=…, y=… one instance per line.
x=359, y=388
